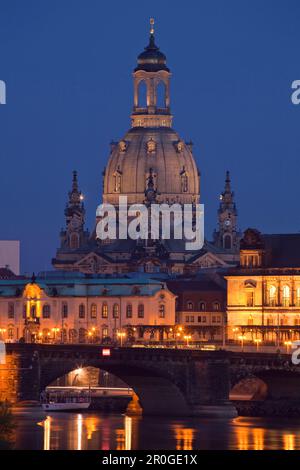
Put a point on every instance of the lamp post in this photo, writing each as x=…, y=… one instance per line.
x=55, y=330
x=257, y=341
x=287, y=344
x=121, y=335
x=187, y=338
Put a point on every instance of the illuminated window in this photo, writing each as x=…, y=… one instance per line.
x=128, y=311
x=272, y=296
x=297, y=321
x=250, y=320
x=81, y=311
x=11, y=310
x=270, y=321
x=202, y=306
x=250, y=299
x=298, y=297
x=104, y=332
x=284, y=320
x=286, y=296
x=141, y=311
x=10, y=333
x=104, y=311
x=46, y=311
x=116, y=311
x=161, y=311
x=190, y=305
x=93, y=311
x=216, y=306
x=64, y=310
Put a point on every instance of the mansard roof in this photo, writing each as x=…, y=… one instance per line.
x=62, y=284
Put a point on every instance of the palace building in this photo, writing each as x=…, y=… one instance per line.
x=75, y=308
x=150, y=164
x=263, y=292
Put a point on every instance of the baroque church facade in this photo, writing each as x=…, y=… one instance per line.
x=151, y=163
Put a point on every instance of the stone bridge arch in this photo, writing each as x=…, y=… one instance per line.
x=167, y=381
x=160, y=391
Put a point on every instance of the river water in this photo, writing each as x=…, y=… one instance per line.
x=98, y=431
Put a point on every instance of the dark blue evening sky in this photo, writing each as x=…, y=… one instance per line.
x=67, y=65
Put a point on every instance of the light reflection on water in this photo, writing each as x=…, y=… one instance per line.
x=94, y=431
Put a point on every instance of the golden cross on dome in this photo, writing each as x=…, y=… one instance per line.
x=151, y=25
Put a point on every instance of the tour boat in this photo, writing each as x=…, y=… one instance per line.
x=52, y=406
x=58, y=402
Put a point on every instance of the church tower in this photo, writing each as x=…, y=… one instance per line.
x=74, y=236
x=227, y=236
x=151, y=147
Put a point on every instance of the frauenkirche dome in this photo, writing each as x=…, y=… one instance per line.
x=151, y=148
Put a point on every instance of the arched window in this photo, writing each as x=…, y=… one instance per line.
x=64, y=310
x=10, y=333
x=72, y=336
x=202, y=306
x=250, y=298
x=286, y=296
x=74, y=241
x=93, y=311
x=46, y=311
x=216, y=306
x=227, y=242
x=161, y=95
x=141, y=311
x=190, y=305
x=272, y=296
x=128, y=311
x=33, y=311
x=116, y=311
x=11, y=310
x=104, y=310
x=142, y=94
x=104, y=332
x=162, y=311
x=81, y=311
x=82, y=335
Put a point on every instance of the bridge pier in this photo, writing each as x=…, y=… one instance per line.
x=20, y=375
x=212, y=389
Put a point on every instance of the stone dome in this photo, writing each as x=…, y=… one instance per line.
x=156, y=151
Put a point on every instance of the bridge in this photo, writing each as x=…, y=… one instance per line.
x=174, y=382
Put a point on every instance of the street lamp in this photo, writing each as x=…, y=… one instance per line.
x=257, y=341
x=187, y=338
x=55, y=330
x=287, y=344
x=121, y=335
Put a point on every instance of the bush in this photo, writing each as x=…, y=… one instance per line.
x=7, y=425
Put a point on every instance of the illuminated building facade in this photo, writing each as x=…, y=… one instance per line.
x=263, y=293
x=79, y=309
x=200, y=308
